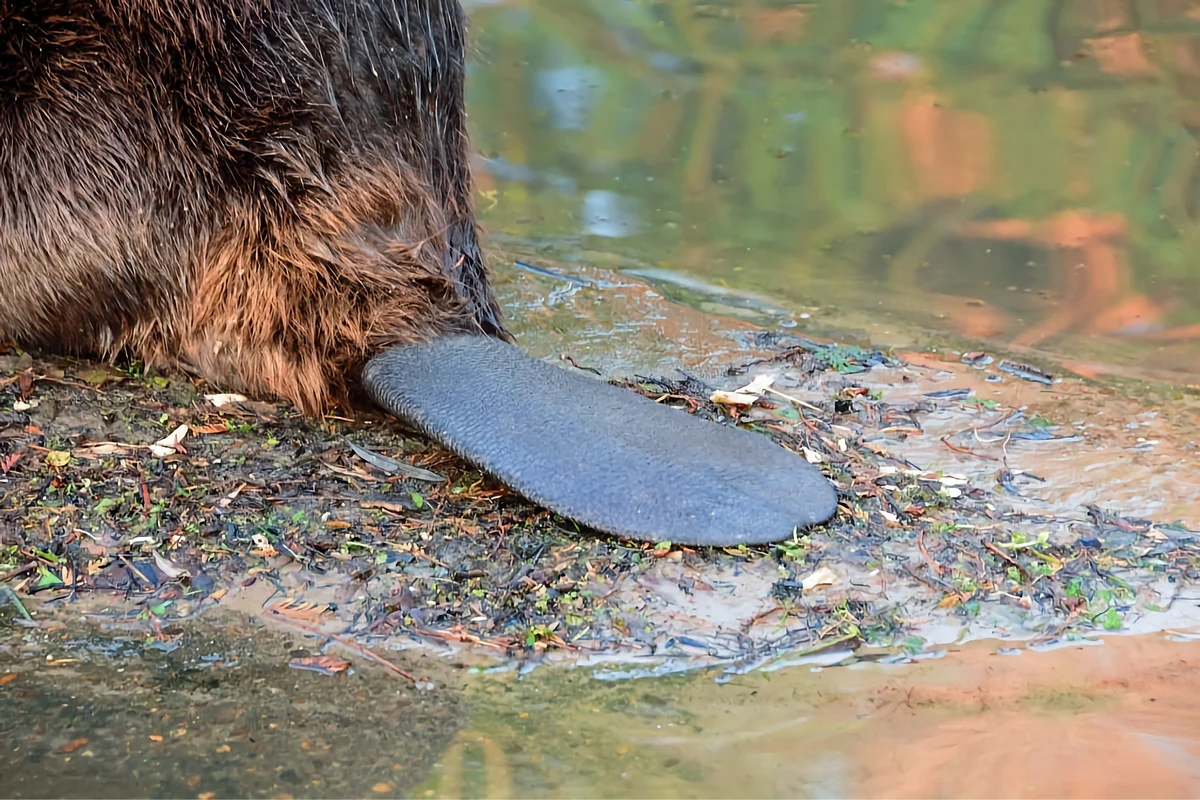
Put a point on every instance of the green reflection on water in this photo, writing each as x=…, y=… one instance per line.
x=1019, y=172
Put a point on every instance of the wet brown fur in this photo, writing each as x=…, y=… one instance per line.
x=262, y=192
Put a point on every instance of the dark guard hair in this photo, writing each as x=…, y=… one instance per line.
x=274, y=195
x=265, y=192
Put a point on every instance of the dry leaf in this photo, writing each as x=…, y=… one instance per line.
x=105, y=449
x=745, y=396
x=821, y=577
x=220, y=400
x=73, y=745
x=58, y=458
x=327, y=665
x=169, y=444
x=225, y=501
x=168, y=568
x=304, y=611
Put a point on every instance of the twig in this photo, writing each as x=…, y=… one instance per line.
x=459, y=637
x=72, y=384
x=344, y=642
x=993, y=549
x=795, y=400
x=937, y=567
x=32, y=565
x=964, y=451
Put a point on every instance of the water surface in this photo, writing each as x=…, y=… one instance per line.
x=1022, y=174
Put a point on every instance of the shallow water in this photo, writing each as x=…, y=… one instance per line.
x=1021, y=174
x=87, y=710
x=1118, y=719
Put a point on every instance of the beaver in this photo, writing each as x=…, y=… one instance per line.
x=274, y=196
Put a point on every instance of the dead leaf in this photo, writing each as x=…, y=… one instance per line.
x=304, y=611
x=8, y=677
x=170, y=444
x=216, y=427
x=326, y=665
x=391, y=466
x=225, y=501
x=167, y=567
x=9, y=461
x=103, y=449
x=58, y=458
x=745, y=396
x=823, y=576
x=220, y=400
x=73, y=745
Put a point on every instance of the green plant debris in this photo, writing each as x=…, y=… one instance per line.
x=259, y=490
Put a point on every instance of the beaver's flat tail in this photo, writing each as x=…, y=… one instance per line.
x=598, y=454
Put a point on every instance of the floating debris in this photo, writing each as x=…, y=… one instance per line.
x=1026, y=372
x=393, y=467
x=325, y=665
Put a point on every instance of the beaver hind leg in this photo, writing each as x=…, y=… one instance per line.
x=595, y=453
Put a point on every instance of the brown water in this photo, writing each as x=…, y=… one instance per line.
x=1019, y=173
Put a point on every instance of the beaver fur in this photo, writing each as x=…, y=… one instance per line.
x=263, y=193
x=274, y=196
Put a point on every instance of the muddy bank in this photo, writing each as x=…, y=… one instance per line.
x=978, y=500
x=89, y=709
x=963, y=515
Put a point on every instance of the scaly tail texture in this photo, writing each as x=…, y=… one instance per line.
x=595, y=453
